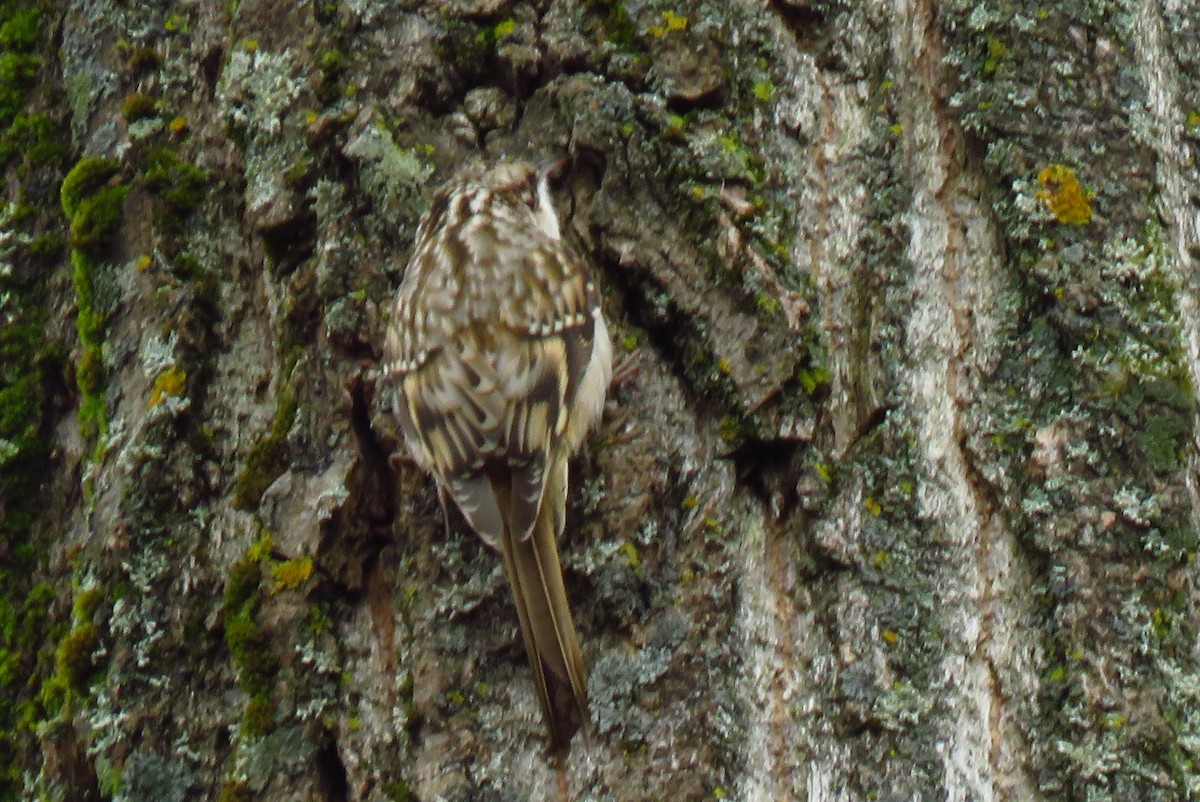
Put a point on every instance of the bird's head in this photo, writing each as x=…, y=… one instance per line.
x=516, y=184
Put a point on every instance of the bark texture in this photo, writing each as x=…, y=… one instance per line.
x=895, y=498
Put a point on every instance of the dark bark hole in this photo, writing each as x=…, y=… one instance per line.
x=331, y=773
x=709, y=101
x=66, y=759
x=210, y=68
x=293, y=240
x=802, y=21
x=351, y=543
x=375, y=453
x=768, y=468
x=873, y=421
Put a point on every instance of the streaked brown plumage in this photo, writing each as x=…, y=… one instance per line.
x=501, y=359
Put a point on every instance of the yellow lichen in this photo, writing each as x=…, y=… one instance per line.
x=671, y=22
x=178, y=125
x=505, y=28
x=1064, y=196
x=631, y=555
x=261, y=547
x=291, y=574
x=143, y=263
x=169, y=384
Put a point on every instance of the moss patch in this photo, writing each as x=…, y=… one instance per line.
x=138, y=107
x=96, y=218
x=178, y=184
x=93, y=204
x=74, y=656
x=249, y=646
x=266, y=460
x=31, y=145
x=87, y=176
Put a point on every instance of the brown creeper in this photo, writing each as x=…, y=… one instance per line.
x=501, y=359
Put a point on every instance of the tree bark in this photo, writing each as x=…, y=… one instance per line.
x=894, y=497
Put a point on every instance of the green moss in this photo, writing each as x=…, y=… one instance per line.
x=92, y=417
x=37, y=138
x=87, y=176
x=266, y=459
x=94, y=206
x=45, y=245
x=18, y=72
x=333, y=61
x=813, y=378
x=234, y=791
x=86, y=603
x=619, y=28
x=89, y=371
x=97, y=217
x=74, y=657
x=252, y=655
x=249, y=646
x=259, y=717
x=31, y=145
x=179, y=184
x=996, y=51
x=504, y=29
x=138, y=107
x=730, y=428
x=399, y=791
x=242, y=588
x=143, y=59
x=20, y=31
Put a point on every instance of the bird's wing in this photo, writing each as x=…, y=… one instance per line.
x=489, y=367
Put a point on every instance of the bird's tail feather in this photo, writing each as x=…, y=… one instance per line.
x=559, y=672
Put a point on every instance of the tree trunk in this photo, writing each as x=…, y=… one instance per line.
x=894, y=497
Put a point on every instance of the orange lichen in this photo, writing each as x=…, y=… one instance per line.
x=1064, y=196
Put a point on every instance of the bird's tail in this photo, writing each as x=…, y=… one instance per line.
x=546, y=626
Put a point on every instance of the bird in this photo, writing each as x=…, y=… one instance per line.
x=500, y=358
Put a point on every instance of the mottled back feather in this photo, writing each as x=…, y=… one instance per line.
x=493, y=328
